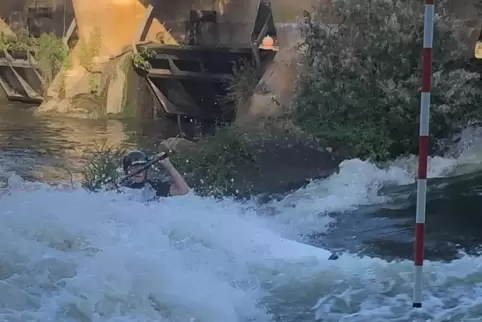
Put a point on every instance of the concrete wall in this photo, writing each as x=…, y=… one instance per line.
x=119, y=20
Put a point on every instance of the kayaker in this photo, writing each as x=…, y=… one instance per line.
x=135, y=160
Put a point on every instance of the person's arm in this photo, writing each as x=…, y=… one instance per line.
x=179, y=186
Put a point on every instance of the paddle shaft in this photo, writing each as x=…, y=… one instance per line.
x=156, y=159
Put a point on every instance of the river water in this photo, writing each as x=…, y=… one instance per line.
x=52, y=149
x=69, y=255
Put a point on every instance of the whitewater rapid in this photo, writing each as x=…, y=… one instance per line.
x=69, y=255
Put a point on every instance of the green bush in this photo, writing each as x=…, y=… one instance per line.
x=360, y=85
x=142, y=57
x=101, y=168
x=217, y=167
x=49, y=50
x=14, y=43
x=242, y=83
x=52, y=55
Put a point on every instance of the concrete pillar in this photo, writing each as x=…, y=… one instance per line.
x=117, y=20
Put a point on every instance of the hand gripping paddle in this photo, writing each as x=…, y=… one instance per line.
x=159, y=157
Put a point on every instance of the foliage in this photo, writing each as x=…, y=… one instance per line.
x=101, y=167
x=49, y=50
x=242, y=83
x=141, y=58
x=90, y=49
x=360, y=85
x=52, y=55
x=218, y=167
x=13, y=43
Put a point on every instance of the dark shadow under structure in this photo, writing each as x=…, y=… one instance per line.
x=191, y=80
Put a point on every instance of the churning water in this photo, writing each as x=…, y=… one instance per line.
x=70, y=255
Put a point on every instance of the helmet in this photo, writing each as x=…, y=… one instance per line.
x=133, y=158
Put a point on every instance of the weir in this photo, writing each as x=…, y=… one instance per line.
x=194, y=47
x=194, y=56
x=20, y=75
x=191, y=81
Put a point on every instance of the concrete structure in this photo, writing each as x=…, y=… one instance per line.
x=196, y=44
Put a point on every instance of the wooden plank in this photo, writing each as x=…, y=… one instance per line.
x=7, y=88
x=144, y=25
x=198, y=49
x=177, y=57
x=257, y=57
x=25, y=85
x=200, y=60
x=14, y=96
x=11, y=63
x=17, y=63
x=25, y=99
x=166, y=73
x=264, y=30
x=34, y=63
x=69, y=31
x=258, y=42
x=168, y=106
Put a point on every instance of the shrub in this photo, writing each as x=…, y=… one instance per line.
x=142, y=57
x=52, y=54
x=215, y=167
x=359, y=87
x=219, y=165
x=49, y=50
x=102, y=164
x=90, y=49
x=241, y=83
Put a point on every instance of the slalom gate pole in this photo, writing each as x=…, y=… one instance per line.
x=429, y=17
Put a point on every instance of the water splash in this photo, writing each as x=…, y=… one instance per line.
x=69, y=255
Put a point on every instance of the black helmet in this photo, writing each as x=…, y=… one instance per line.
x=133, y=158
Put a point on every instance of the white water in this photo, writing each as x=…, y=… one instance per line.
x=75, y=256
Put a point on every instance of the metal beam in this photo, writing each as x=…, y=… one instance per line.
x=70, y=31
x=145, y=24
x=166, y=73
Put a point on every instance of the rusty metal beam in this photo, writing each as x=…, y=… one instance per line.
x=17, y=63
x=70, y=31
x=144, y=25
x=168, y=106
x=166, y=73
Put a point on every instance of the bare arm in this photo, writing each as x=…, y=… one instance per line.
x=179, y=186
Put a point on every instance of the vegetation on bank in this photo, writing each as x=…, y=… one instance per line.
x=141, y=58
x=216, y=167
x=102, y=167
x=360, y=86
x=50, y=52
x=358, y=89
x=52, y=55
x=219, y=165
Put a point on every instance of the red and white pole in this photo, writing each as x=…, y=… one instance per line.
x=429, y=18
